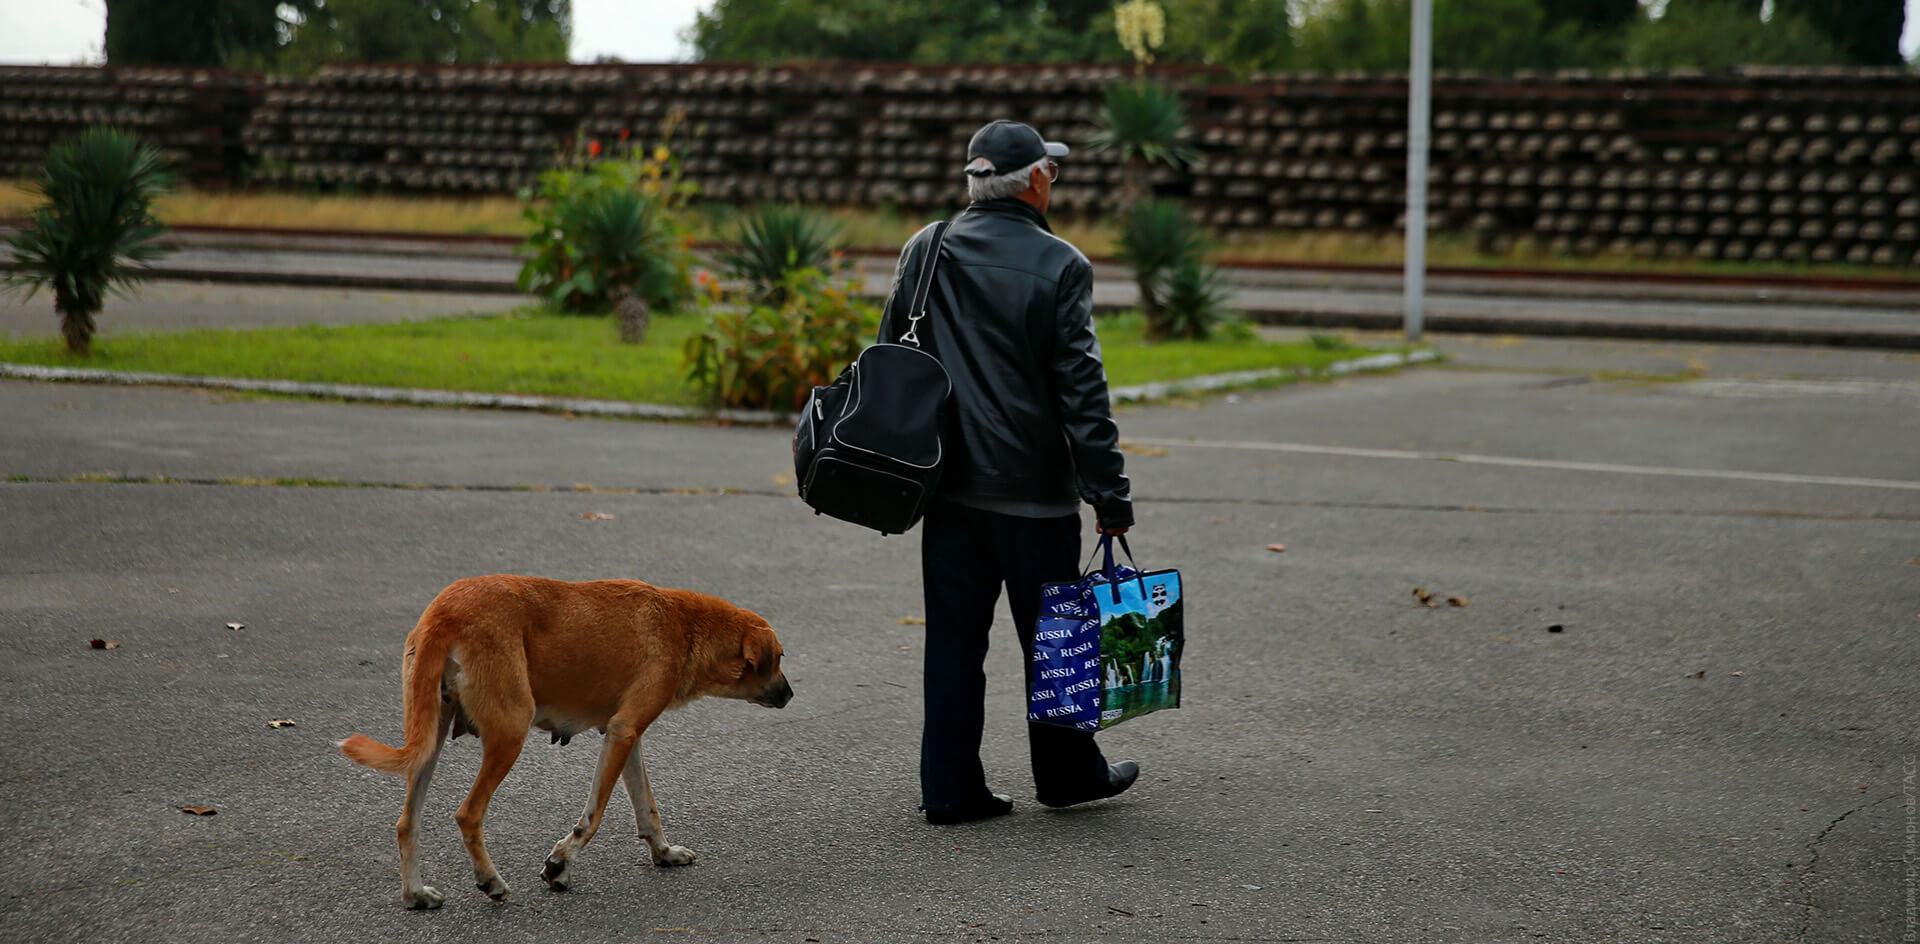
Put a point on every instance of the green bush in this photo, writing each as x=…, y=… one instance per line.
x=95, y=230
x=769, y=243
x=768, y=357
x=1195, y=302
x=1143, y=122
x=575, y=208
x=1157, y=240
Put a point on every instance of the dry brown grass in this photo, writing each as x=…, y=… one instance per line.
x=187, y=207
x=500, y=215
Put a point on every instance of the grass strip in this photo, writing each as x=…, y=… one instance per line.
x=532, y=351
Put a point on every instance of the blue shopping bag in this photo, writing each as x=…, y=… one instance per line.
x=1107, y=647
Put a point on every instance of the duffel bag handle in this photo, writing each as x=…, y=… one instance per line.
x=917, y=308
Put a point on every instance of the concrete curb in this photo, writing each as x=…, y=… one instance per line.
x=1588, y=328
x=1215, y=382
x=411, y=396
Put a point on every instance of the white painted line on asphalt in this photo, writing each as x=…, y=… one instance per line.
x=1784, y=478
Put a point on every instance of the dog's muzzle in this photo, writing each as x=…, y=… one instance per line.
x=777, y=694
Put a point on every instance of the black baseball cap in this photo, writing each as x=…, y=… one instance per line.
x=1007, y=146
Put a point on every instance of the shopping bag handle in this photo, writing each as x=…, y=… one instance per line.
x=1106, y=544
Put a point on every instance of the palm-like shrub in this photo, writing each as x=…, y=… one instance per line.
x=580, y=269
x=96, y=230
x=617, y=246
x=1144, y=122
x=1157, y=239
x=771, y=242
x=1195, y=301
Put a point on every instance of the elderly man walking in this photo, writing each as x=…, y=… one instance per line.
x=1010, y=317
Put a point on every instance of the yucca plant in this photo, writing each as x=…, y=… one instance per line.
x=617, y=247
x=562, y=270
x=1143, y=121
x=771, y=242
x=96, y=230
x=1156, y=239
x=1195, y=302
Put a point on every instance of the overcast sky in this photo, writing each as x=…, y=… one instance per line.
x=67, y=32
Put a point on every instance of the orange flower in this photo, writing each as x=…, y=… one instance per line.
x=625, y=132
x=593, y=148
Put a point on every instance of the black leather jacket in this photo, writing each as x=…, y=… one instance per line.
x=1010, y=316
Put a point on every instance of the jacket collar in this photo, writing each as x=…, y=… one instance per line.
x=1014, y=207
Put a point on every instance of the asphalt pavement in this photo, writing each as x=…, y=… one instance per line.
x=1677, y=703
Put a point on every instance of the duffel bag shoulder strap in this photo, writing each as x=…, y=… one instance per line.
x=917, y=309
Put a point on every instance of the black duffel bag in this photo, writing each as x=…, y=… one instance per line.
x=867, y=447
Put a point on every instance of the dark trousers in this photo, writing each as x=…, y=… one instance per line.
x=966, y=555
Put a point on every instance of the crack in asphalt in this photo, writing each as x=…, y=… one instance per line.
x=1806, y=904
x=728, y=491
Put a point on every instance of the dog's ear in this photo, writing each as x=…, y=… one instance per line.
x=753, y=651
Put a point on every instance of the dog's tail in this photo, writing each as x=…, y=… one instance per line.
x=421, y=671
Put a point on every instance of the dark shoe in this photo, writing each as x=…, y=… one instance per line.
x=994, y=805
x=1120, y=776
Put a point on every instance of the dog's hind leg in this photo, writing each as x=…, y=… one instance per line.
x=502, y=725
x=646, y=813
x=623, y=737
x=413, y=892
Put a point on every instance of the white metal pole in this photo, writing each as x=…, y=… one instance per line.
x=1419, y=105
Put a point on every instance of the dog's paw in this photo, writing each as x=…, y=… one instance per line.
x=675, y=855
x=495, y=887
x=558, y=874
x=424, y=899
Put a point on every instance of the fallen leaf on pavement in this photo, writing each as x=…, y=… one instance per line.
x=103, y=644
x=1422, y=597
x=1456, y=601
x=912, y=621
x=1277, y=548
x=236, y=626
x=1737, y=674
x=199, y=810
x=1698, y=675
x=596, y=516
x=280, y=723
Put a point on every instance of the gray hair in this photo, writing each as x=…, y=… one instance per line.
x=982, y=189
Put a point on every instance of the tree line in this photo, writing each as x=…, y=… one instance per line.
x=1498, y=36
x=299, y=36
x=1321, y=35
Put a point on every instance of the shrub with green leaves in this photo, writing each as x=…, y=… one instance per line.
x=1194, y=304
x=768, y=357
x=96, y=230
x=571, y=262
x=1160, y=241
x=1144, y=122
x=767, y=244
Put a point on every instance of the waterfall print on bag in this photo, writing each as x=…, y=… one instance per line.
x=1107, y=647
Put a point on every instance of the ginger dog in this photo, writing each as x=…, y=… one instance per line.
x=495, y=656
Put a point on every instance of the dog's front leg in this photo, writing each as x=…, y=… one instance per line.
x=622, y=736
x=647, y=814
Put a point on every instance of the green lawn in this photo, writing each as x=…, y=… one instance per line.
x=532, y=351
